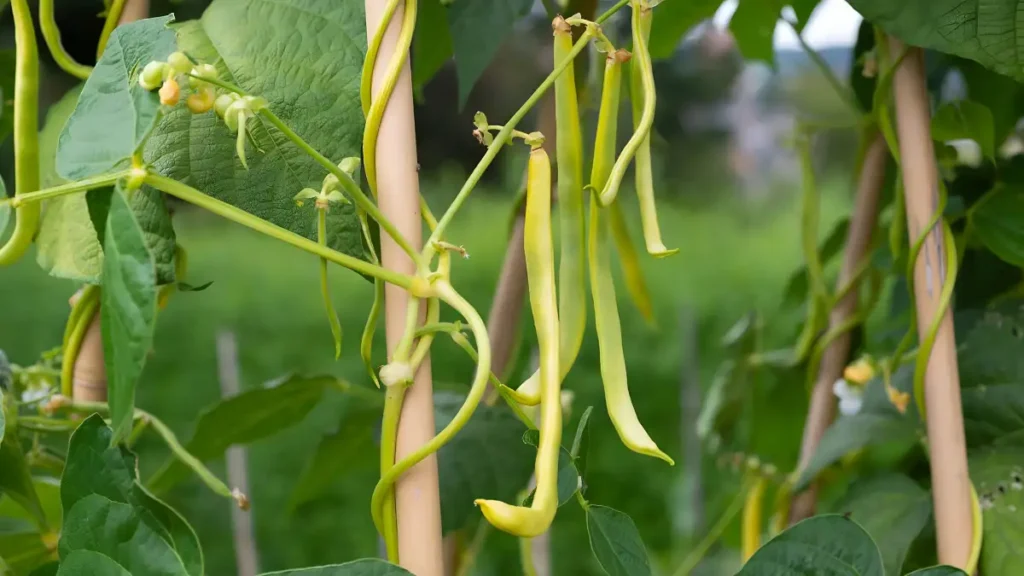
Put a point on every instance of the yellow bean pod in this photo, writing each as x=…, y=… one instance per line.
x=572, y=276
x=751, y=533
x=631, y=272
x=642, y=97
x=602, y=285
x=522, y=521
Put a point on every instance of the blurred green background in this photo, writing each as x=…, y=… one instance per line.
x=733, y=213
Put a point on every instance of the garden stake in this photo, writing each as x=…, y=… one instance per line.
x=416, y=491
x=950, y=480
x=89, y=379
x=858, y=238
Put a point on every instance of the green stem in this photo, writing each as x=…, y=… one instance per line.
x=388, y=444
x=44, y=424
x=500, y=140
x=223, y=209
x=483, y=370
x=348, y=184
x=218, y=82
x=69, y=188
x=325, y=290
x=113, y=17
x=698, y=553
x=608, y=13
x=215, y=484
x=51, y=35
x=483, y=528
x=435, y=327
x=26, y=135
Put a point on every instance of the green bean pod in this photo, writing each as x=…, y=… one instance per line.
x=366, y=342
x=522, y=521
x=572, y=277
x=325, y=290
x=642, y=98
x=26, y=137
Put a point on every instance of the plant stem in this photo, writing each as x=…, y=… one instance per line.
x=221, y=208
x=113, y=17
x=69, y=188
x=26, y=135
x=698, y=553
x=499, y=142
x=48, y=24
x=483, y=528
x=347, y=183
x=388, y=443
x=44, y=424
x=609, y=12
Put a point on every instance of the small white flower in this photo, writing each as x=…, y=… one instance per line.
x=851, y=398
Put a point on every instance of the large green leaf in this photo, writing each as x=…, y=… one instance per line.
x=672, y=19
x=938, y=571
x=987, y=31
x=998, y=476
x=349, y=449
x=469, y=467
x=995, y=221
x=127, y=310
x=243, y=419
x=893, y=509
x=850, y=433
x=616, y=542
x=67, y=245
x=107, y=511
x=966, y=119
x=432, y=45
x=753, y=25
x=304, y=57
x=23, y=543
x=827, y=544
x=114, y=114
x=992, y=352
x=478, y=30
x=365, y=567
x=91, y=563
x=15, y=477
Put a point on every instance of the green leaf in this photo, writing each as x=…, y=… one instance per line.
x=863, y=86
x=23, y=543
x=966, y=119
x=311, y=81
x=893, y=509
x=67, y=245
x=432, y=44
x=114, y=114
x=478, y=30
x=986, y=31
x=1000, y=94
x=673, y=19
x=850, y=433
x=468, y=465
x=992, y=352
x=127, y=310
x=107, y=511
x=938, y=571
x=753, y=26
x=91, y=563
x=243, y=419
x=827, y=544
x=995, y=220
x=803, y=10
x=568, y=480
x=616, y=542
x=349, y=449
x=365, y=567
x=998, y=476
x=15, y=476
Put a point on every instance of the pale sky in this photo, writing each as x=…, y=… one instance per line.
x=833, y=23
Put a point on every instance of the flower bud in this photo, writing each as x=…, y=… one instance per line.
x=152, y=75
x=170, y=92
x=204, y=71
x=201, y=101
x=179, y=63
x=223, y=101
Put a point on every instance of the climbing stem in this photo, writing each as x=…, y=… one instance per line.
x=69, y=188
x=223, y=209
x=51, y=34
x=113, y=17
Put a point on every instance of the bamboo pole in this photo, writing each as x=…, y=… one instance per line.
x=416, y=492
x=858, y=237
x=89, y=379
x=950, y=479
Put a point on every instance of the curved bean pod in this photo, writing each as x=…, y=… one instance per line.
x=522, y=521
x=631, y=272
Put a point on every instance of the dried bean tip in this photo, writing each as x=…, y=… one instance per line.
x=560, y=26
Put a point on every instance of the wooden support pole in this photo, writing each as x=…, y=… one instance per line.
x=416, y=492
x=89, y=379
x=858, y=237
x=950, y=479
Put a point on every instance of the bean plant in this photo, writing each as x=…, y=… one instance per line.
x=264, y=114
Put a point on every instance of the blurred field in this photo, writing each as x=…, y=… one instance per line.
x=730, y=261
